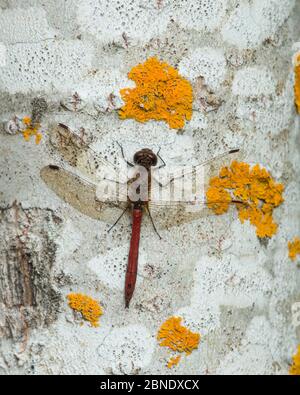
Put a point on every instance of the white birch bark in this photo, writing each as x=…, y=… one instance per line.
x=65, y=61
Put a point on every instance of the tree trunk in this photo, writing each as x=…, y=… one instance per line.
x=65, y=62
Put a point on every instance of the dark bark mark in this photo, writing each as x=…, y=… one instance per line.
x=28, y=298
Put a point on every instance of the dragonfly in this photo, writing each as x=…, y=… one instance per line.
x=96, y=187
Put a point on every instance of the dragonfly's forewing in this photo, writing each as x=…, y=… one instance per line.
x=77, y=152
x=203, y=170
x=81, y=194
x=179, y=196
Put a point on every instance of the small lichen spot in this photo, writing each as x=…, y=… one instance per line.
x=177, y=338
x=160, y=94
x=89, y=308
x=295, y=368
x=173, y=361
x=31, y=129
x=254, y=190
x=294, y=248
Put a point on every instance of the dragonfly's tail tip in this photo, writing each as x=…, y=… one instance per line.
x=127, y=304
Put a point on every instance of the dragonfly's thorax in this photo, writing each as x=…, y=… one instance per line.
x=138, y=205
x=145, y=158
x=139, y=186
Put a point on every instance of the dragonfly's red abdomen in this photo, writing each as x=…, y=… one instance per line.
x=131, y=273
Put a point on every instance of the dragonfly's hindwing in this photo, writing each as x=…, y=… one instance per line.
x=80, y=194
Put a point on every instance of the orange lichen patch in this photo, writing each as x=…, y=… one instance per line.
x=297, y=83
x=294, y=248
x=295, y=368
x=31, y=130
x=27, y=121
x=177, y=337
x=219, y=200
x=253, y=189
x=160, y=94
x=173, y=361
x=89, y=308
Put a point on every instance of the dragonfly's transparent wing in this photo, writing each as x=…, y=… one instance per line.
x=188, y=184
x=167, y=215
x=180, y=196
x=77, y=152
x=81, y=194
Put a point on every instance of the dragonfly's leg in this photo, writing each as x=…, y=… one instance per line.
x=118, y=220
x=114, y=181
x=123, y=155
x=164, y=163
x=153, y=224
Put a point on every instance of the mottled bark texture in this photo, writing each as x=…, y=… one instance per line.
x=28, y=298
x=66, y=61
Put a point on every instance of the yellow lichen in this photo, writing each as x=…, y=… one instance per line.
x=294, y=248
x=31, y=130
x=297, y=83
x=27, y=121
x=89, y=308
x=160, y=94
x=173, y=361
x=295, y=368
x=253, y=189
x=177, y=337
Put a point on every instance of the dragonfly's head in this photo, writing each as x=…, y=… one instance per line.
x=146, y=158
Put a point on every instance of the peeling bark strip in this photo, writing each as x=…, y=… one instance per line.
x=27, y=253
